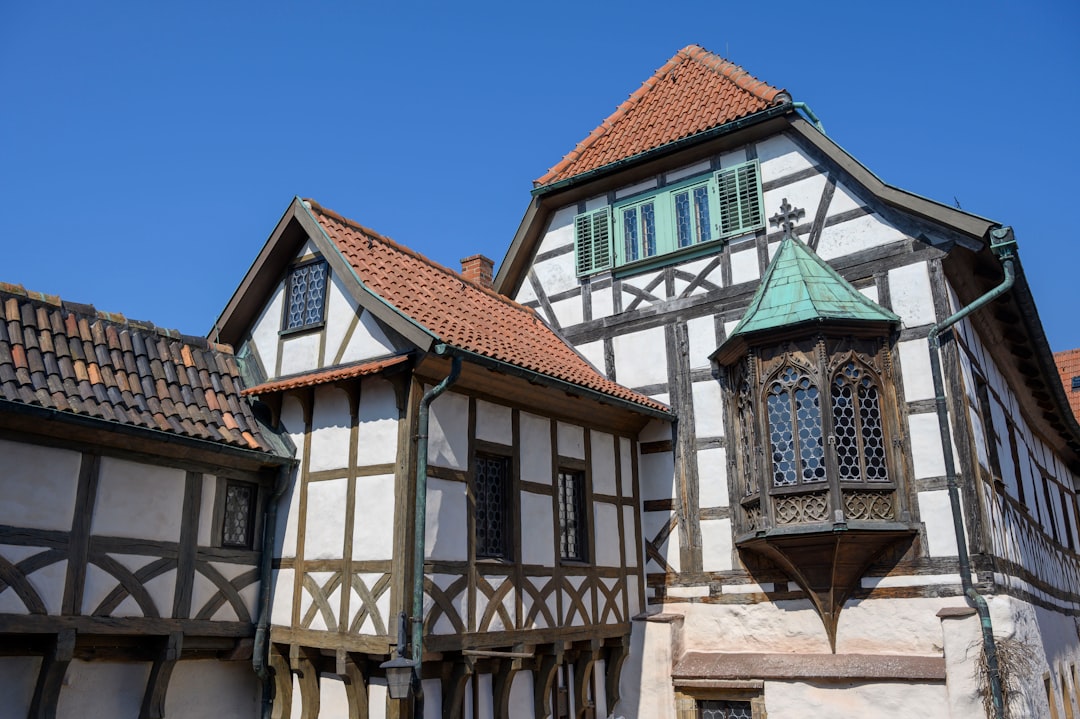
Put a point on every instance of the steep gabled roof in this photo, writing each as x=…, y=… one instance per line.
x=461, y=314
x=693, y=92
x=71, y=358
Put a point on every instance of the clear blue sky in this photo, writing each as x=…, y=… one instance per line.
x=148, y=149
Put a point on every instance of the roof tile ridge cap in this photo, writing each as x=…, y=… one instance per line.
x=736, y=73
x=617, y=114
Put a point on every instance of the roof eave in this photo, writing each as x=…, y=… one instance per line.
x=556, y=383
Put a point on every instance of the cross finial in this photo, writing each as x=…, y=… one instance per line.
x=786, y=218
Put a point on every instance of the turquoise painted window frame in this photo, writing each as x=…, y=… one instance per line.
x=711, y=220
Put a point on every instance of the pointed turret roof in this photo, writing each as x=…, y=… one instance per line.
x=692, y=92
x=800, y=287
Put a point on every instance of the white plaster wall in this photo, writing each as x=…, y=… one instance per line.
x=912, y=299
x=39, y=486
x=47, y=581
x=432, y=699
x=716, y=545
x=281, y=607
x=641, y=358
x=373, y=528
x=377, y=699
x=206, y=510
x=378, y=418
x=927, y=454
x=300, y=353
x=521, y=696
x=935, y=511
x=856, y=235
x=603, y=305
x=630, y=542
x=744, y=266
x=848, y=700
x=266, y=328
x=708, y=408
x=803, y=194
x=605, y=543
x=292, y=417
x=484, y=708
x=17, y=678
x=645, y=683
x=651, y=524
x=698, y=168
x=494, y=423
x=568, y=312
x=593, y=352
x=603, y=463
x=535, y=448
x=325, y=525
x=560, y=231
x=330, y=429
x=844, y=199
x=369, y=340
x=571, y=440
x=340, y=311
x=448, y=431
x=537, y=522
x=712, y=477
x=333, y=701
x=915, y=361
x=702, y=334
x=138, y=501
x=779, y=156
x=447, y=520
x=207, y=688
x=557, y=274
x=626, y=459
x=657, y=475
x=102, y=690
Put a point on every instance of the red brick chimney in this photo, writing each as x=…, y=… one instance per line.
x=478, y=269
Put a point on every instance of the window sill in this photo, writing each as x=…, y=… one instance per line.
x=683, y=254
x=302, y=330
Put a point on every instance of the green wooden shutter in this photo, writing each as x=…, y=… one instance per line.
x=592, y=241
x=740, y=199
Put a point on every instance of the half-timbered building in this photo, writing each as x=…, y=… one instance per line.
x=134, y=482
x=871, y=480
x=395, y=376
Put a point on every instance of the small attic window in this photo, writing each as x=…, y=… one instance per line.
x=305, y=296
x=1076, y=384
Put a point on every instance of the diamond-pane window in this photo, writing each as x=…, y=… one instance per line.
x=238, y=525
x=572, y=515
x=716, y=709
x=306, y=296
x=795, y=436
x=490, y=490
x=859, y=437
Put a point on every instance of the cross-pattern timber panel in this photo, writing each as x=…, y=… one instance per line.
x=368, y=589
x=16, y=587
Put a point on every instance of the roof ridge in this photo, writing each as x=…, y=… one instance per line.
x=20, y=293
x=315, y=206
x=731, y=71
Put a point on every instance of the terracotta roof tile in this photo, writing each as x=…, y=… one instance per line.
x=460, y=313
x=693, y=92
x=71, y=358
x=1068, y=365
x=326, y=376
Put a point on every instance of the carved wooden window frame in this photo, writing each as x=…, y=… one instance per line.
x=819, y=359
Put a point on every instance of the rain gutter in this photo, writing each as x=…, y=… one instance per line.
x=420, y=526
x=1003, y=244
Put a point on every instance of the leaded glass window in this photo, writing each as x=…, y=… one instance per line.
x=860, y=438
x=692, y=216
x=306, y=300
x=490, y=490
x=639, y=231
x=238, y=525
x=795, y=435
x=725, y=709
x=572, y=515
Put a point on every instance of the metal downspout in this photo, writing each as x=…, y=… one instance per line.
x=262, y=638
x=810, y=114
x=420, y=526
x=1003, y=244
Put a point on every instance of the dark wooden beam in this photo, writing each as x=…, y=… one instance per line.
x=51, y=676
x=157, y=685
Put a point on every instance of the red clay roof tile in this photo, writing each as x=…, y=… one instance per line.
x=68, y=357
x=693, y=92
x=1068, y=365
x=460, y=313
x=326, y=376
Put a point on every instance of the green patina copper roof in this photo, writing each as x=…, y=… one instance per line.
x=801, y=287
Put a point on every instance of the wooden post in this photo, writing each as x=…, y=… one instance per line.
x=157, y=685
x=51, y=676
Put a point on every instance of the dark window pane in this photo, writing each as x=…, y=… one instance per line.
x=492, y=475
x=237, y=525
x=572, y=520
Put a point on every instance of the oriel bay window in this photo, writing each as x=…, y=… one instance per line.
x=827, y=434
